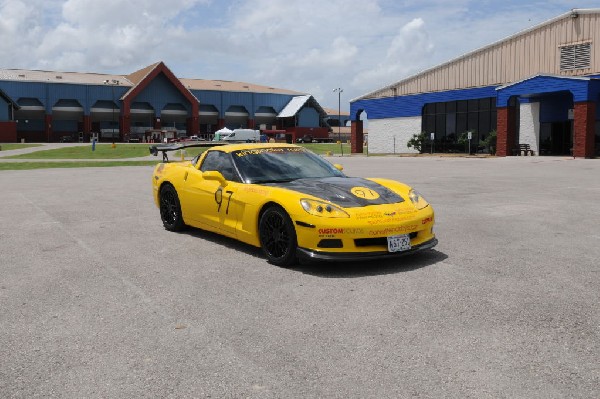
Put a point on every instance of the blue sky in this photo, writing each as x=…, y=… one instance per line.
x=310, y=46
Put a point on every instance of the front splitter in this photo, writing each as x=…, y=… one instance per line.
x=307, y=254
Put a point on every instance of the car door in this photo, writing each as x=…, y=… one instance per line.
x=208, y=202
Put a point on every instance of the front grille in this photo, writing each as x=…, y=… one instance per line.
x=331, y=243
x=377, y=241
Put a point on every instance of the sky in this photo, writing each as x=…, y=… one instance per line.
x=311, y=46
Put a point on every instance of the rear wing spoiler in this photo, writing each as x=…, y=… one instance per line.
x=164, y=148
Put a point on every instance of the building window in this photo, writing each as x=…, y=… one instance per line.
x=449, y=121
x=577, y=56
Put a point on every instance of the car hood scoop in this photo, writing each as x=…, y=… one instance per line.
x=348, y=192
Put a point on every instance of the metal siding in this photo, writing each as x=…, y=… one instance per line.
x=58, y=92
x=534, y=52
x=252, y=101
x=16, y=90
x=277, y=101
x=546, y=84
x=308, y=117
x=160, y=92
x=104, y=93
x=412, y=105
x=236, y=98
x=209, y=97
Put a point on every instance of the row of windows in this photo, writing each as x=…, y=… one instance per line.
x=449, y=119
x=474, y=105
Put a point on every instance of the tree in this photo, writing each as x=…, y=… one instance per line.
x=417, y=141
x=490, y=142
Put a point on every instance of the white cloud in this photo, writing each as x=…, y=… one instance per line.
x=406, y=54
x=304, y=45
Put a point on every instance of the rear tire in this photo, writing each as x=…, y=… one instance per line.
x=278, y=237
x=170, y=209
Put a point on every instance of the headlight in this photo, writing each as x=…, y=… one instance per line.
x=417, y=199
x=321, y=208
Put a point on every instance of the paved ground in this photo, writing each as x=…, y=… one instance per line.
x=97, y=300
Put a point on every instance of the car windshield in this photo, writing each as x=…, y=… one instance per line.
x=281, y=164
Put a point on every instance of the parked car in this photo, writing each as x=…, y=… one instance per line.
x=305, y=139
x=243, y=136
x=291, y=203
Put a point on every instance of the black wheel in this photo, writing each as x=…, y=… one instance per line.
x=170, y=209
x=278, y=237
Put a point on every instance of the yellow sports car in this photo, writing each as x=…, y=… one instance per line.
x=291, y=203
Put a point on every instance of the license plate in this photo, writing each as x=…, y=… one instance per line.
x=398, y=243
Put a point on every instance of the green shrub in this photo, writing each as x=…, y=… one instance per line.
x=417, y=141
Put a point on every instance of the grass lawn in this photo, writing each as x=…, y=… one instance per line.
x=76, y=164
x=16, y=146
x=102, y=151
x=121, y=151
x=323, y=148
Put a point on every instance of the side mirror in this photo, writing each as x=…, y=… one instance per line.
x=214, y=175
x=338, y=166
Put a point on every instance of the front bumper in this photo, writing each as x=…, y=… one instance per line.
x=307, y=254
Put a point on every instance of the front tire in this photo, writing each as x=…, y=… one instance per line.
x=278, y=237
x=170, y=209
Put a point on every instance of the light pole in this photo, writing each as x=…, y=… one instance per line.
x=339, y=91
x=112, y=83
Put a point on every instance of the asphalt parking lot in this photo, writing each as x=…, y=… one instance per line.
x=97, y=300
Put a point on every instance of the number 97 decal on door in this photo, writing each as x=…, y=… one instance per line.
x=219, y=199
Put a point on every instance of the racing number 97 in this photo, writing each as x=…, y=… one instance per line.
x=219, y=199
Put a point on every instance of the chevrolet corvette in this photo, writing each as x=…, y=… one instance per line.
x=290, y=202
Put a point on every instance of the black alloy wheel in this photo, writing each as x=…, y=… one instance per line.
x=170, y=209
x=278, y=237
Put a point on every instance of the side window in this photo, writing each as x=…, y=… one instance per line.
x=221, y=162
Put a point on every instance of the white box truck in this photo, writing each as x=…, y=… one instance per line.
x=243, y=136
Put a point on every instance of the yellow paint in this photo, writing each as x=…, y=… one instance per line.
x=234, y=210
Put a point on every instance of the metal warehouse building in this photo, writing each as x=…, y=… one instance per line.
x=39, y=106
x=539, y=87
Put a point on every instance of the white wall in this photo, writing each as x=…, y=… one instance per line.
x=383, y=133
x=529, y=126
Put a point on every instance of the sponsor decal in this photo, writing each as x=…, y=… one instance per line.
x=354, y=231
x=393, y=230
x=397, y=219
x=404, y=210
x=340, y=230
x=256, y=190
x=331, y=231
x=427, y=220
x=364, y=192
x=258, y=151
x=368, y=215
x=395, y=214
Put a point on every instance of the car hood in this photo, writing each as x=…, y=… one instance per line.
x=348, y=192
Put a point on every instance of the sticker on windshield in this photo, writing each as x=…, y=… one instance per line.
x=365, y=193
x=257, y=151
